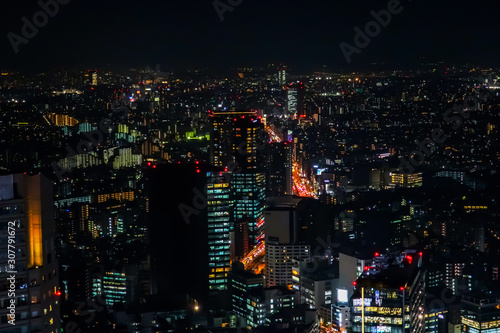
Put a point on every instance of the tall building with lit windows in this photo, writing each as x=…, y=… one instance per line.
x=222, y=134
x=282, y=77
x=114, y=287
x=389, y=296
x=26, y=206
x=249, y=203
x=238, y=139
x=219, y=220
x=406, y=180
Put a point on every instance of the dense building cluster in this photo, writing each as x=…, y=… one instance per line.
x=261, y=200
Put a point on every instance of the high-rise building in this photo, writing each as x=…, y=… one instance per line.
x=114, y=287
x=235, y=145
x=389, y=296
x=279, y=171
x=249, y=203
x=282, y=241
x=26, y=217
x=407, y=180
x=219, y=218
x=163, y=92
x=222, y=135
x=240, y=282
x=291, y=100
x=295, y=98
x=282, y=75
x=177, y=233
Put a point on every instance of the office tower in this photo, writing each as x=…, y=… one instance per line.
x=177, y=233
x=26, y=211
x=406, y=180
x=279, y=173
x=240, y=282
x=294, y=95
x=222, y=136
x=247, y=143
x=190, y=231
x=249, y=183
x=163, y=92
x=389, y=296
x=282, y=241
x=282, y=75
x=219, y=218
x=249, y=201
x=279, y=261
x=90, y=78
x=236, y=144
x=291, y=93
x=114, y=287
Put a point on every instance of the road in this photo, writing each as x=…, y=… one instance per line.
x=301, y=185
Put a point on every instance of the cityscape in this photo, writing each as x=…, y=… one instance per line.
x=294, y=196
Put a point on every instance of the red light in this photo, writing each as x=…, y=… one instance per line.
x=57, y=293
x=354, y=283
x=154, y=166
x=367, y=268
x=421, y=254
x=179, y=162
x=402, y=288
x=197, y=162
x=409, y=258
x=198, y=170
x=234, y=119
x=149, y=163
x=377, y=254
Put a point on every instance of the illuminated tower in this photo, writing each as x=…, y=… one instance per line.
x=238, y=139
x=282, y=75
x=221, y=136
x=163, y=92
x=248, y=179
x=26, y=217
x=219, y=218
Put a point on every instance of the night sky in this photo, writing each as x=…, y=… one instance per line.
x=303, y=34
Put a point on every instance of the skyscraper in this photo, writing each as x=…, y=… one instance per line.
x=219, y=218
x=282, y=241
x=282, y=75
x=237, y=142
x=221, y=136
x=279, y=169
x=249, y=203
x=26, y=212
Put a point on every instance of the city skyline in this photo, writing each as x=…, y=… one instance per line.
x=239, y=166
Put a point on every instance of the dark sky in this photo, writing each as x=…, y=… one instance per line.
x=304, y=34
